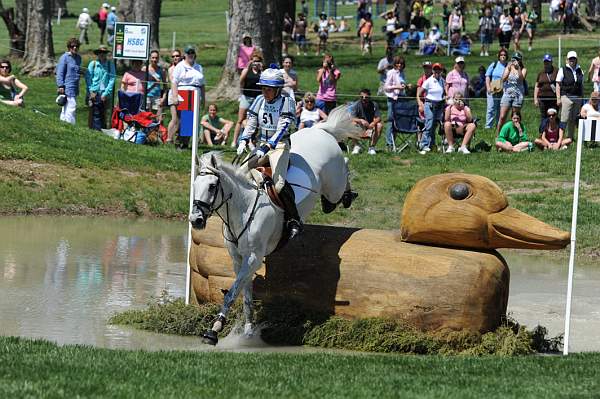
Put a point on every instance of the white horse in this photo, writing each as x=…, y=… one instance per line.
x=252, y=224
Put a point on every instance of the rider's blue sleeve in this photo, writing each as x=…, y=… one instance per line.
x=286, y=121
x=252, y=120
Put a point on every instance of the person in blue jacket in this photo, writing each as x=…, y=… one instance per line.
x=68, y=72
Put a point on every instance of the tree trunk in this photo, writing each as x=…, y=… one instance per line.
x=142, y=11
x=404, y=13
x=264, y=21
x=16, y=25
x=39, y=49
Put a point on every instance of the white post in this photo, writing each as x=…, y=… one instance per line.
x=559, y=51
x=227, y=20
x=58, y=16
x=580, y=137
x=188, y=275
x=174, y=38
x=448, y=47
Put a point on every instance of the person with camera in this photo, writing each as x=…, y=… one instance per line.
x=68, y=72
x=327, y=77
x=99, y=80
x=250, y=90
x=514, y=88
x=493, y=84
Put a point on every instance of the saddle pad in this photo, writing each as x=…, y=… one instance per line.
x=296, y=176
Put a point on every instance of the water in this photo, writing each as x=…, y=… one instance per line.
x=61, y=278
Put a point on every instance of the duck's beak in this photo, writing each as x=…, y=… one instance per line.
x=511, y=228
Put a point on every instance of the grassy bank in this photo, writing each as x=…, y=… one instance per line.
x=83, y=371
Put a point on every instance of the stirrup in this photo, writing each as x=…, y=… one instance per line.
x=295, y=228
x=348, y=197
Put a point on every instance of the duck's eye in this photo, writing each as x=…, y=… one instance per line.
x=459, y=191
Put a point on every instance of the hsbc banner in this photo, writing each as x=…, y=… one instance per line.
x=132, y=41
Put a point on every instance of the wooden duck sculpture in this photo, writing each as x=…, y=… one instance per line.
x=440, y=271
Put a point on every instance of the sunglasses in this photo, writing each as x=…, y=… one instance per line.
x=551, y=116
x=74, y=46
x=309, y=101
x=176, y=55
x=4, y=66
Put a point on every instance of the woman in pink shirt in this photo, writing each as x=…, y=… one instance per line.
x=457, y=80
x=245, y=53
x=133, y=80
x=458, y=121
x=327, y=77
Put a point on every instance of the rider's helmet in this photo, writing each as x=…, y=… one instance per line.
x=271, y=77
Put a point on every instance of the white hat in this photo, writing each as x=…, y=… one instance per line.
x=105, y=5
x=85, y=9
x=551, y=111
x=571, y=54
x=459, y=59
x=113, y=8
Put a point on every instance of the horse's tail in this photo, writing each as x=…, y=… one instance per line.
x=339, y=124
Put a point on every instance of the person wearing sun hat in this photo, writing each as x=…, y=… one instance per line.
x=99, y=80
x=551, y=134
x=591, y=110
x=569, y=93
x=432, y=107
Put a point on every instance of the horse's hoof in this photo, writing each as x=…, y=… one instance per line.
x=348, y=197
x=210, y=337
x=327, y=206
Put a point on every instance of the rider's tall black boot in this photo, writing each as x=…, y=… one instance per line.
x=291, y=212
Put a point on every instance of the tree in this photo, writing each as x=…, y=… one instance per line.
x=142, y=11
x=263, y=20
x=16, y=25
x=60, y=5
x=404, y=13
x=39, y=49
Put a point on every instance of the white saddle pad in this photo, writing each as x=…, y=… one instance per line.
x=297, y=177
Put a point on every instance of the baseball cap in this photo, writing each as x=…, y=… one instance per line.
x=113, y=8
x=571, y=54
x=459, y=59
x=547, y=57
x=551, y=111
x=517, y=56
x=426, y=64
x=413, y=27
x=105, y=5
x=437, y=65
x=189, y=49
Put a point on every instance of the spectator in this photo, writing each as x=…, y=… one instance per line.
x=12, y=90
x=102, y=17
x=544, y=93
x=384, y=65
x=245, y=52
x=458, y=120
x=343, y=26
x=487, y=27
x=391, y=23
x=568, y=16
x=304, y=7
x=505, y=24
x=455, y=21
x=133, y=80
x=327, y=77
x=83, y=24
x=428, y=12
x=591, y=110
x=366, y=113
x=445, y=15
x=111, y=21
x=99, y=80
x=290, y=77
x=594, y=72
x=569, y=92
x=555, y=10
x=188, y=75
x=309, y=113
x=457, y=80
x=323, y=33
x=413, y=39
x=361, y=10
x=286, y=33
x=513, y=136
x=477, y=84
x=300, y=33
x=493, y=85
x=394, y=87
x=427, y=72
x=519, y=19
x=432, y=39
x=68, y=72
x=156, y=83
x=215, y=129
x=433, y=107
x=551, y=134
x=250, y=90
x=498, y=9
x=331, y=25
x=513, y=77
x=174, y=122
x=365, y=31
x=531, y=26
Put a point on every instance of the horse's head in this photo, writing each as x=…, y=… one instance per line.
x=207, y=189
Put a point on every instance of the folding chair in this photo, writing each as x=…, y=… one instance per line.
x=405, y=121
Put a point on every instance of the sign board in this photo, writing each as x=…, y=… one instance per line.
x=132, y=41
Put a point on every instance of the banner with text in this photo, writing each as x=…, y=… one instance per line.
x=132, y=41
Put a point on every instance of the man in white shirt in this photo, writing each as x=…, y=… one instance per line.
x=432, y=107
x=569, y=92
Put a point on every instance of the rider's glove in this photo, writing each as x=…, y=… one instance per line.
x=241, y=147
x=261, y=152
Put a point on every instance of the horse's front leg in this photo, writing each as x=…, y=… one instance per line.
x=243, y=278
x=248, y=311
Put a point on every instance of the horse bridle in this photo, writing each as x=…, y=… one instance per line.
x=209, y=209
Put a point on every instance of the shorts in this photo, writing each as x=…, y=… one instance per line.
x=514, y=100
x=246, y=102
x=153, y=103
x=300, y=40
x=486, y=37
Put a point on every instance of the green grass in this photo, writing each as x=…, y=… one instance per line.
x=42, y=369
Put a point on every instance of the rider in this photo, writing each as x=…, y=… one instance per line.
x=273, y=113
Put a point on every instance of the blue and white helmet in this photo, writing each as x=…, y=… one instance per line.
x=271, y=77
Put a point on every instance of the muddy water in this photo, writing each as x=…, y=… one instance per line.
x=61, y=278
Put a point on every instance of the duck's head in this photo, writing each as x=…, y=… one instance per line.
x=471, y=211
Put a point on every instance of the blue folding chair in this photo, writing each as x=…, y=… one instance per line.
x=405, y=123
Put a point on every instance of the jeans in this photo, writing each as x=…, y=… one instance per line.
x=97, y=113
x=493, y=110
x=325, y=106
x=434, y=113
x=389, y=134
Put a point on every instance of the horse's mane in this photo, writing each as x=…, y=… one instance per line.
x=339, y=124
x=234, y=173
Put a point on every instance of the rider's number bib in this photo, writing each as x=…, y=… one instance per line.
x=268, y=116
